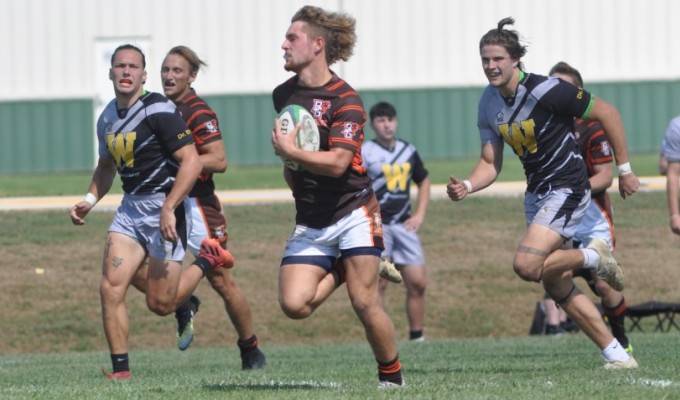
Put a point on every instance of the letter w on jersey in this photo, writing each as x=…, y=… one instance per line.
x=122, y=147
x=396, y=176
x=521, y=138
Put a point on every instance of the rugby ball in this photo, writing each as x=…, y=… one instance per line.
x=308, y=136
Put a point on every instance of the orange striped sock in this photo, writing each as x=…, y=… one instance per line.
x=390, y=371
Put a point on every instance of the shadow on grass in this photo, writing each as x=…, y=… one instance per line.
x=273, y=385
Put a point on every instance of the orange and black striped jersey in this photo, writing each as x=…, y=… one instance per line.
x=595, y=149
x=202, y=121
x=339, y=113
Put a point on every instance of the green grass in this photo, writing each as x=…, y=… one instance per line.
x=510, y=368
x=268, y=177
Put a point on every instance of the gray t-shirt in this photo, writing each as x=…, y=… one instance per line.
x=671, y=141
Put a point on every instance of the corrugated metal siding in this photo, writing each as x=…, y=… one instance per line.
x=50, y=44
x=58, y=136
x=46, y=136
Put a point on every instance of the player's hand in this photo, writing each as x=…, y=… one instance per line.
x=413, y=224
x=675, y=224
x=79, y=211
x=284, y=145
x=456, y=189
x=168, y=222
x=628, y=184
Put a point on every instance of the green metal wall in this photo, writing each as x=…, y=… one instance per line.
x=57, y=136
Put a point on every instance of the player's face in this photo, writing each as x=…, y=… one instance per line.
x=127, y=72
x=298, y=49
x=176, y=76
x=385, y=128
x=498, y=67
x=564, y=77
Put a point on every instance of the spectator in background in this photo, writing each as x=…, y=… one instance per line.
x=393, y=163
x=671, y=154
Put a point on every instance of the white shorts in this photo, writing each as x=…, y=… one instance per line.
x=139, y=218
x=595, y=224
x=402, y=246
x=560, y=210
x=359, y=233
x=207, y=220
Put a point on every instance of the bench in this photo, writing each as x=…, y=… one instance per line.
x=664, y=312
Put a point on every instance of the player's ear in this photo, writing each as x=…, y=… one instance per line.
x=111, y=74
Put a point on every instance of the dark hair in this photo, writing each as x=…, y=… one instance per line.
x=192, y=58
x=337, y=29
x=382, y=109
x=566, y=69
x=128, y=47
x=506, y=38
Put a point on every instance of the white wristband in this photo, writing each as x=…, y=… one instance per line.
x=624, y=169
x=468, y=185
x=90, y=199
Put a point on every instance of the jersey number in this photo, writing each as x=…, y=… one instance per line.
x=522, y=137
x=122, y=146
x=396, y=176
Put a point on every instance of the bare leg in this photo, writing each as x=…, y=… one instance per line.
x=235, y=301
x=415, y=281
x=303, y=288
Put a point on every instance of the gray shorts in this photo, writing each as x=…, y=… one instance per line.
x=402, y=246
x=560, y=210
x=139, y=218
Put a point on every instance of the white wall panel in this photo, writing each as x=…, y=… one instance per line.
x=49, y=44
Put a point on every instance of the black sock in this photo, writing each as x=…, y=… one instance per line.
x=120, y=362
x=415, y=334
x=616, y=317
x=247, y=345
x=203, y=263
x=390, y=371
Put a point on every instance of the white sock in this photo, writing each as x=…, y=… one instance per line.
x=615, y=352
x=590, y=258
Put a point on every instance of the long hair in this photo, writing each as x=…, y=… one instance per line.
x=506, y=38
x=337, y=29
x=192, y=58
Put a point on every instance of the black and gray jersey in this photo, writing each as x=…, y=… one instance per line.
x=392, y=170
x=538, y=123
x=141, y=141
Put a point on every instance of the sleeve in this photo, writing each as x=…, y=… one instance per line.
x=486, y=132
x=419, y=172
x=204, y=126
x=567, y=99
x=171, y=130
x=671, y=141
x=599, y=150
x=102, y=146
x=347, y=128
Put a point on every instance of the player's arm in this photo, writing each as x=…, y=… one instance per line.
x=672, y=177
x=333, y=162
x=483, y=174
x=423, y=199
x=213, y=157
x=602, y=177
x=190, y=167
x=611, y=120
x=102, y=179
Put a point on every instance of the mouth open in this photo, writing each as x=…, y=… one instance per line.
x=168, y=84
x=126, y=81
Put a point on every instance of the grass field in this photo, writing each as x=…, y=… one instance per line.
x=478, y=316
x=508, y=369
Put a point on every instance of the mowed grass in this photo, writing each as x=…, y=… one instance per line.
x=510, y=368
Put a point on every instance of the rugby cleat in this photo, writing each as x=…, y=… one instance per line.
x=185, y=322
x=391, y=385
x=117, y=376
x=608, y=268
x=628, y=364
x=389, y=271
x=216, y=254
x=253, y=359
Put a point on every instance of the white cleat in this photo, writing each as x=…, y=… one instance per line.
x=608, y=268
x=389, y=271
x=391, y=385
x=628, y=364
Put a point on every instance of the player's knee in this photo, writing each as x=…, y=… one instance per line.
x=528, y=271
x=110, y=293
x=294, y=309
x=159, y=307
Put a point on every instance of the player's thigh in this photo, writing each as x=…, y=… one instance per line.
x=163, y=278
x=536, y=245
x=122, y=257
x=298, y=283
x=207, y=220
x=362, y=278
x=415, y=276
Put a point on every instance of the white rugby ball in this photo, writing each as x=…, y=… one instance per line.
x=308, y=136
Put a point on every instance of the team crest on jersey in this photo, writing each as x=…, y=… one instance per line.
x=319, y=108
x=499, y=117
x=211, y=126
x=350, y=130
x=606, y=150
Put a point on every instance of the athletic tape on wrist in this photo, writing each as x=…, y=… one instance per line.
x=90, y=199
x=468, y=185
x=624, y=169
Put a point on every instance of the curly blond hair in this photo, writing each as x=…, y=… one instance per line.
x=337, y=29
